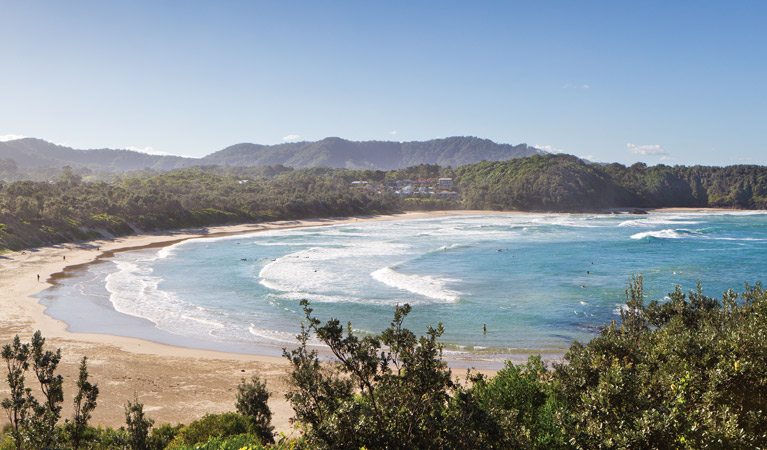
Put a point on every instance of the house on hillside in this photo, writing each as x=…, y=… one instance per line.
x=445, y=183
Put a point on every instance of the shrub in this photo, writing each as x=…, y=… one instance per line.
x=403, y=389
x=210, y=426
x=252, y=398
x=688, y=373
x=521, y=404
x=138, y=425
x=163, y=435
x=243, y=442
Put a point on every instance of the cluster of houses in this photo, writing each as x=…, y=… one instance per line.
x=438, y=188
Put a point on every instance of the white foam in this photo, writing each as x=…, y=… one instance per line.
x=134, y=291
x=274, y=335
x=737, y=239
x=168, y=251
x=664, y=234
x=305, y=270
x=449, y=247
x=572, y=221
x=647, y=223
x=425, y=285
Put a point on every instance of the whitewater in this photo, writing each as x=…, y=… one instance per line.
x=537, y=282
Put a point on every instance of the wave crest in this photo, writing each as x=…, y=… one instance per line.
x=664, y=234
x=424, y=285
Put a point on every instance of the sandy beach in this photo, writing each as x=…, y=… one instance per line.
x=175, y=384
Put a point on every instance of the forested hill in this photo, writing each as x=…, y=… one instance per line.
x=566, y=183
x=380, y=155
x=29, y=153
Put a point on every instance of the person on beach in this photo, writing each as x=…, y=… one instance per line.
x=38, y=277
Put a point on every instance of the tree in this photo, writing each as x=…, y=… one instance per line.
x=43, y=433
x=16, y=356
x=403, y=388
x=84, y=404
x=138, y=425
x=252, y=402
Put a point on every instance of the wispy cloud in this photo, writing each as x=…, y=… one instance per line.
x=393, y=132
x=648, y=150
x=10, y=137
x=549, y=148
x=291, y=137
x=148, y=151
x=576, y=86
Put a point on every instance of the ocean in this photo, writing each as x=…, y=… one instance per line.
x=536, y=282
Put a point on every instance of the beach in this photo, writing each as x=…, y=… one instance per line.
x=175, y=384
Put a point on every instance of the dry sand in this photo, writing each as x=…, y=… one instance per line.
x=175, y=384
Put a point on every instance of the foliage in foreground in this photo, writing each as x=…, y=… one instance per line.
x=237, y=442
x=34, y=422
x=689, y=373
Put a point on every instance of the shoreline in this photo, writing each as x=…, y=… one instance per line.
x=176, y=383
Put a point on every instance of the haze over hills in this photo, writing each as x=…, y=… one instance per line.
x=29, y=153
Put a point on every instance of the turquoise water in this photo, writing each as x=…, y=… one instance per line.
x=536, y=281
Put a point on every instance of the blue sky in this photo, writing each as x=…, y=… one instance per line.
x=659, y=82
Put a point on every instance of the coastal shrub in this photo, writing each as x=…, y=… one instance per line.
x=687, y=373
x=391, y=390
x=108, y=438
x=33, y=421
x=138, y=425
x=84, y=404
x=211, y=425
x=163, y=435
x=241, y=442
x=6, y=440
x=522, y=406
x=252, y=398
x=16, y=356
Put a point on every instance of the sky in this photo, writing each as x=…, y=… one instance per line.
x=680, y=82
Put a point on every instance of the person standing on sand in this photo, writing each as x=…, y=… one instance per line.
x=38, y=277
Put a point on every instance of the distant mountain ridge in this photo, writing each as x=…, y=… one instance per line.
x=331, y=152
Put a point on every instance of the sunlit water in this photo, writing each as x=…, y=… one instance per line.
x=536, y=281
